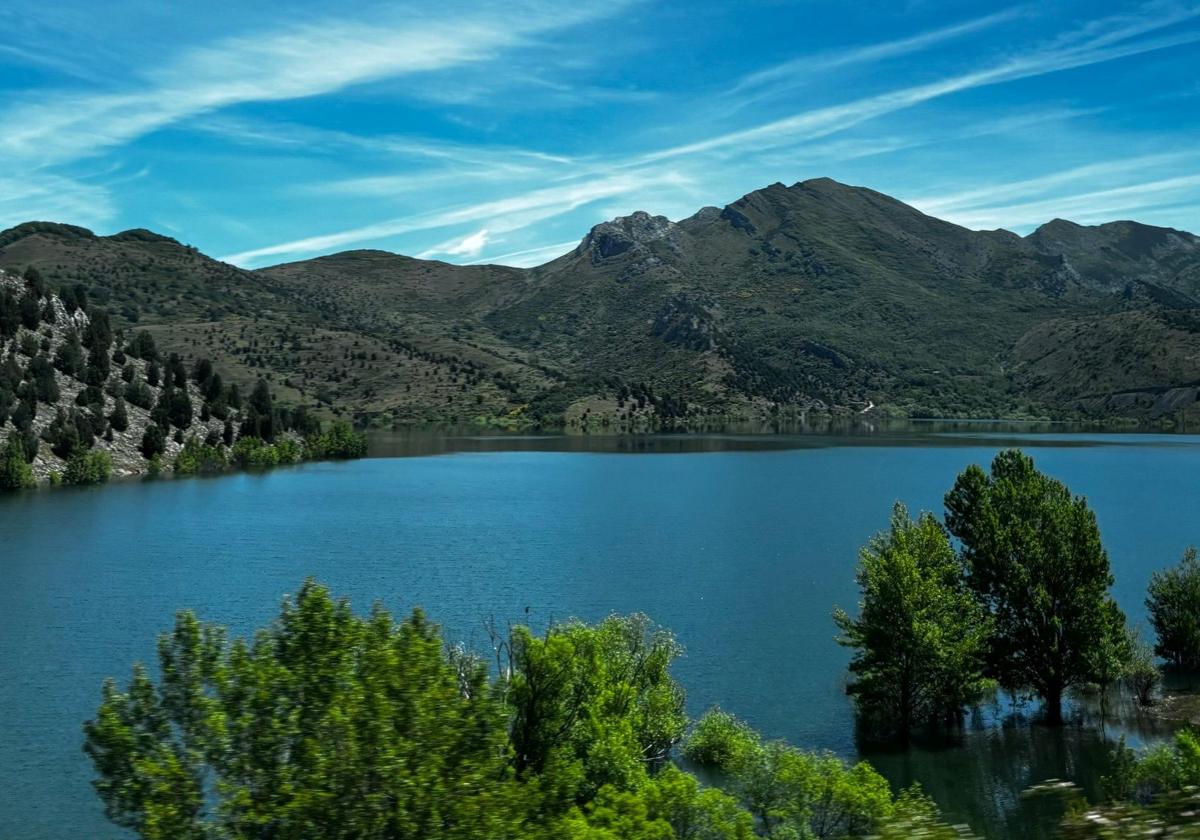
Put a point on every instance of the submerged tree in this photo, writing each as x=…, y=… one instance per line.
x=1033, y=557
x=920, y=636
x=1173, y=601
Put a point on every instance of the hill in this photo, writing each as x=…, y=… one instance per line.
x=814, y=297
x=81, y=400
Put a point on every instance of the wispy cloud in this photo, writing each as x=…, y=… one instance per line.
x=502, y=215
x=791, y=74
x=465, y=246
x=421, y=150
x=301, y=61
x=1086, y=207
x=51, y=197
x=1101, y=41
x=990, y=195
x=529, y=257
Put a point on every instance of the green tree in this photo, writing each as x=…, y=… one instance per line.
x=720, y=740
x=88, y=467
x=793, y=793
x=199, y=457
x=1111, y=658
x=69, y=356
x=1033, y=557
x=920, y=637
x=31, y=310
x=141, y=346
x=260, y=419
x=154, y=442
x=324, y=725
x=41, y=373
x=34, y=281
x=594, y=705
x=15, y=473
x=120, y=416
x=339, y=441
x=1173, y=601
x=790, y=792
x=672, y=806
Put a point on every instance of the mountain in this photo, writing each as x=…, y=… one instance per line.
x=814, y=297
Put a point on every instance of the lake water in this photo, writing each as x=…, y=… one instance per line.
x=741, y=545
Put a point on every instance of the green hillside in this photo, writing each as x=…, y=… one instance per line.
x=819, y=297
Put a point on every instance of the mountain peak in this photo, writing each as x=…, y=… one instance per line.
x=19, y=232
x=625, y=233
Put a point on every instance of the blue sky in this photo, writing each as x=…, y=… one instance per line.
x=500, y=132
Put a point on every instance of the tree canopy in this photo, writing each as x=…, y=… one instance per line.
x=920, y=636
x=1173, y=602
x=1033, y=557
x=334, y=725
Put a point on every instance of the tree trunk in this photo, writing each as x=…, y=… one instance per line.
x=1054, y=705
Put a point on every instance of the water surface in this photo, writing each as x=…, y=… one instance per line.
x=741, y=546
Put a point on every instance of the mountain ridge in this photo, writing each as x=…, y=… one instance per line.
x=815, y=297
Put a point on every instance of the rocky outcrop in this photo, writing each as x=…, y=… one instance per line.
x=124, y=447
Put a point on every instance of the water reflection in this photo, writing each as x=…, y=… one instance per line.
x=980, y=773
x=819, y=433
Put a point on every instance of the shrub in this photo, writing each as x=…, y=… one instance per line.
x=138, y=393
x=88, y=467
x=720, y=740
x=197, y=457
x=15, y=473
x=339, y=441
x=254, y=452
x=1141, y=672
x=288, y=452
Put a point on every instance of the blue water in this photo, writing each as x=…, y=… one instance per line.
x=742, y=553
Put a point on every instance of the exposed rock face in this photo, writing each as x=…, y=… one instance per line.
x=626, y=233
x=125, y=446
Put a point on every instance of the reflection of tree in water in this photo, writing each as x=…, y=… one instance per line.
x=979, y=773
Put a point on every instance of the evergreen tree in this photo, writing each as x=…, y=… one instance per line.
x=24, y=414
x=137, y=393
x=202, y=372
x=31, y=311
x=10, y=314
x=1034, y=559
x=34, y=282
x=15, y=473
x=177, y=371
x=8, y=399
x=69, y=356
x=41, y=374
x=154, y=442
x=920, y=637
x=120, y=416
x=142, y=346
x=260, y=416
x=63, y=435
